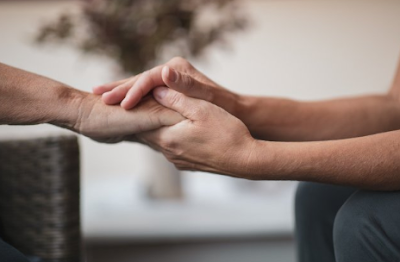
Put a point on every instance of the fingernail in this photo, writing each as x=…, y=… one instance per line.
x=161, y=92
x=172, y=75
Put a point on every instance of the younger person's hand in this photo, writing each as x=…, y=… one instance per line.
x=177, y=74
x=209, y=139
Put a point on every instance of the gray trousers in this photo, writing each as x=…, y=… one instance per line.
x=343, y=224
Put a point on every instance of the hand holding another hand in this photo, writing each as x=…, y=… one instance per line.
x=177, y=74
x=27, y=98
x=210, y=139
x=113, y=124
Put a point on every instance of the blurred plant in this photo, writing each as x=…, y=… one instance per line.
x=135, y=33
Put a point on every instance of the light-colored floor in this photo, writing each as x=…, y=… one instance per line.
x=238, y=251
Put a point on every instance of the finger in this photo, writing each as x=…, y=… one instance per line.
x=146, y=82
x=117, y=94
x=188, y=107
x=185, y=84
x=99, y=90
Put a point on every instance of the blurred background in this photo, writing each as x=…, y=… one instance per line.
x=135, y=205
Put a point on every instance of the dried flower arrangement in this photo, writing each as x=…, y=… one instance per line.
x=135, y=33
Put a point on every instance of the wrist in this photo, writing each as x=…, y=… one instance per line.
x=282, y=161
x=68, y=108
x=258, y=157
x=242, y=107
x=251, y=161
x=267, y=161
x=246, y=111
x=229, y=101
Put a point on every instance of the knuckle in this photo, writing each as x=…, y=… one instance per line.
x=178, y=153
x=173, y=150
x=169, y=144
x=180, y=61
x=175, y=99
x=187, y=81
x=124, y=88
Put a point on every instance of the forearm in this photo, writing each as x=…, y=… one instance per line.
x=288, y=120
x=370, y=162
x=27, y=98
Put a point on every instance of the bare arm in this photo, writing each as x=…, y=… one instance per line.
x=363, y=150
x=288, y=120
x=213, y=140
x=369, y=162
x=27, y=98
x=269, y=118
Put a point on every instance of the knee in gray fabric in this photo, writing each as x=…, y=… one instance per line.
x=350, y=226
x=316, y=207
x=359, y=232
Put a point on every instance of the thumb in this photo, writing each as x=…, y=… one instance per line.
x=186, y=84
x=188, y=107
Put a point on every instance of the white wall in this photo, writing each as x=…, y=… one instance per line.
x=299, y=49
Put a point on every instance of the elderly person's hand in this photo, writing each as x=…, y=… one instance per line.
x=210, y=139
x=113, y=124
x=27, y=98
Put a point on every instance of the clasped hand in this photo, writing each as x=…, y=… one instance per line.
x=209, y=138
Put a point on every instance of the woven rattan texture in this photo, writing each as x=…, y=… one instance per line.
x=39, y=197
